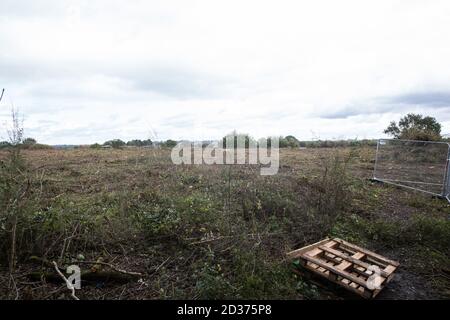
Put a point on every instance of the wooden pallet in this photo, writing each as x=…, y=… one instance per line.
x=352, y=267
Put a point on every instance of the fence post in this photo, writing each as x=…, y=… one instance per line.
x=376, y=161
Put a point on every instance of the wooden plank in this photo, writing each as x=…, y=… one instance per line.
x=297, y=253
x=352, y=259
x=376, y=262
x=361, y=269
x=354, y=285
x=316, y=251
x=338, y=272
x=345, y=264
x=367, y=252
x=346, y=250
x=389, y=270
x=339, y=282
x=376, y=292
x=335, y=260
x=362, y=272
x=330, y=244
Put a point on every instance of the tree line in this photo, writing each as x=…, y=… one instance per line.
x=410, y=127
x=118, y=143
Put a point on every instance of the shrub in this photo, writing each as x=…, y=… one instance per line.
x=29, y=141
x=95, y=146
x=330, y=193
x=16, y=199
x=4, y=144
x=139, y=143
x=116, y=143
x=169, y=143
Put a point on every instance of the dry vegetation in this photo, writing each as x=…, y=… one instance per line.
x=206, y=231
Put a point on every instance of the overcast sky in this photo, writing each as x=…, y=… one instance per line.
x=89, y=71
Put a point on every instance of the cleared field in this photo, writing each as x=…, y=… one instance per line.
x=201, y=231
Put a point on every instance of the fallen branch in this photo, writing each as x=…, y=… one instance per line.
x=160, y=266
x=135, y=274
x=69, y=285
x=117, y=275
x=15, y=286
x=88, y=277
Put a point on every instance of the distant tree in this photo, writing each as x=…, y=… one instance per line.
x=446, y=137
x=95, y=146
x=292, y=141
x=282, y=142
x=288, y=142
x=29, y=141
x=170, y=143
x=139, y=143
x=116, y=143
x=147, y=142
x=248, y=140
x=4, y=144
x=135, y=143
x=415, y=127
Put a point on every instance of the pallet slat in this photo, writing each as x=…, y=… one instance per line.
x=353, y=260
x=369, y=253
x=297, y=253
x=338, y=272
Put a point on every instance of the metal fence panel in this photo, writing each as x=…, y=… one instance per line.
x=418, y=165
x=447, y=179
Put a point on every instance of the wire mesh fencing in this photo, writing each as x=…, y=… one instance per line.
x=418, y=165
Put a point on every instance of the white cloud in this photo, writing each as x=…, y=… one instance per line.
x=86, y=71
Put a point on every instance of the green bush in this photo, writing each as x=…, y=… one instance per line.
x=169, y=143
x=116, y=143
x=95, y=146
